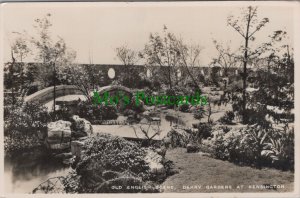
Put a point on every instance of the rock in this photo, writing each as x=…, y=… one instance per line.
x=82, y=127
x=162, y=151
x=121, y=119
x=204, y=154
x=164, y=108
x=178, y=137
x=108, y=175
x=167, y=141
x=144, y=121
x=146, y=113
x=217, y=132
x=76, y=148
x=150, y=108
x=63, y=155
x=68, y=161
x=155, y=163
x=192, y=148
x=195, y=125
x=58, y=135
x=193, y=130
x=155, y=119
x=193, y=108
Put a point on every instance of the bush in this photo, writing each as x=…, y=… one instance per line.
x=26, y=119
x=227, y=118
x=280, y=150
x=96, y=112
x=225, y=129
x=24, y=125
x=184, y=108
x=204, y=130
x=105, y=153
x=17, y=143
x=61, y=114
x=199, y=114
x=258, y=147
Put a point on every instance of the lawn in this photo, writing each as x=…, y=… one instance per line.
x=195, y=170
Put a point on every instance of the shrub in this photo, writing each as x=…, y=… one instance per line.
x=258, y=147
x=184, y=108
x=26, y=119
x=96, y=112
x=225, y=129
x=17, y=142
x=204, y=130
x=109, y=112
x=24, y=125
x=104, y=153
x=227, y=118
x=280, y=150
x=61, y=114
x=199, y=114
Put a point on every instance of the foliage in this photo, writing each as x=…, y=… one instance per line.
x=162, y=51
x=25, y=118
x=198, y=114
x=226, y=58
x=205, y=130
x=184, y=108
x=225, y=129
x=126, y=55
x=24, y=125
x=84, y=77
x=106, y=153
x=227, y=118
x=257, y=147
x=93, y=112
x=280, y=149
x=61, y=114
x=17, y=142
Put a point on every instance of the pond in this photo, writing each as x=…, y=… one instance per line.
x=24, y=171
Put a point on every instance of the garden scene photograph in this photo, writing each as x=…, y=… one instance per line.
x=148, y=98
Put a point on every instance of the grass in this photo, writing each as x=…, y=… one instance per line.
x=196, y=170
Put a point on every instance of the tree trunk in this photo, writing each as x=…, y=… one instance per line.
x=245, y=68
x=54, y=88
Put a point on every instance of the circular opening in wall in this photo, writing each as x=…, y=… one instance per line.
x=111, y=73
x=178, y=73
x=148, y=73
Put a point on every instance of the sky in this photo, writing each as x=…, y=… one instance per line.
x=96, y=29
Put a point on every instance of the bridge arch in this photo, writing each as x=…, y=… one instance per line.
x=46, y=95
x=113, y=88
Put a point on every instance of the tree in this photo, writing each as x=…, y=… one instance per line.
x=15, y=70
x=246, y=25
x=225, y=58
x=275, y=81
x=162, y=51
x=80, y=76
x=50, y=53
x=189, y=58
x=20, y=48
x=126, y=55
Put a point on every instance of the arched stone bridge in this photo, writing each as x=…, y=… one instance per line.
x=113, y=88
x=45, y=95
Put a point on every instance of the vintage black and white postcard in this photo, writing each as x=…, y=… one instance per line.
x=156, y=99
